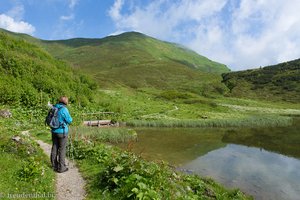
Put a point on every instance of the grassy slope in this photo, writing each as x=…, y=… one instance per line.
x=30, y=76
x=129, y=49
x=277, y=82
x=135, y=60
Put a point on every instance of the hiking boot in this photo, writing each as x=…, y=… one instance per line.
x=62, y=171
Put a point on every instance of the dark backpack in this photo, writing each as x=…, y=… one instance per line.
x=52, y=117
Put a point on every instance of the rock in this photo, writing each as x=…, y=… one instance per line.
x=25, y=133
x=16, y=138
x=5, y=113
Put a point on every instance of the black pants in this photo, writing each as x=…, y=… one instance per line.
x=58, y=151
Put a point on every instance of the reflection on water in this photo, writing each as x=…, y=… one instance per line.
x=263, y=162
x=175, y=145
x=263, y=174
x=283, y=140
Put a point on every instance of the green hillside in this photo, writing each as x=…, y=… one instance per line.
x=137, y=61
x=277, y=82
x=29, y=76
x=130, y=49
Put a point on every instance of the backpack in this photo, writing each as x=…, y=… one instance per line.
x=52, y=117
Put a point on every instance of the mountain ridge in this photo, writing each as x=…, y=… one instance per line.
x=274, y=82
x=141, y=41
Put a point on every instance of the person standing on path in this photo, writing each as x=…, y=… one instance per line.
x=60, y=136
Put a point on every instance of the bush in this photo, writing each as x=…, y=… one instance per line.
x=30, y=76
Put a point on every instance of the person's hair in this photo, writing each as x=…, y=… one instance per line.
x=64, y=100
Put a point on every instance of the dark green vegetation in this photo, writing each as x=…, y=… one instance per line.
x=25, y=169
x=29, y=76
x=274, y=83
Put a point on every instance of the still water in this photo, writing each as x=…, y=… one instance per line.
x=264, y=163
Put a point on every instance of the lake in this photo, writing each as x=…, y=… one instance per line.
x=262, y=162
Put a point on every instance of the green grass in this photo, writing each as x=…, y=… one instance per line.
x=43, y=134
x=14, y=179
x=25, y=170
x=173, y=108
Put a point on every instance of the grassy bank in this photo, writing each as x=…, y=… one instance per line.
x=181, y=108
x=25, y=170
x=115, y=174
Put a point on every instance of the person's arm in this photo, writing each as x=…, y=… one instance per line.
x=67, y=117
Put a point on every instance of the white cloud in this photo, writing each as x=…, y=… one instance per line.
x=242, y=34
x=153, y=20
x=71, y=16
x=68, y=17
x=64, y=30
x=12, y=20
x=16, y=12
x=67, y=26
x=274, y=40
x=73, y=3
x=114, y=11
x=11, y=24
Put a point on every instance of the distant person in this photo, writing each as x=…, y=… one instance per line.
x=60, y=136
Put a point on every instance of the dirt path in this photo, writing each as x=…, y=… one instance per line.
x=70, y=184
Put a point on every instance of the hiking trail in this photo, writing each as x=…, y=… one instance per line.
x=69, y=185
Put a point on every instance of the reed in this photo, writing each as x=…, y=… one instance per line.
x=112, y=135
x=251, y=121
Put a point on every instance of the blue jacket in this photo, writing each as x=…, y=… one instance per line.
x=65, y=118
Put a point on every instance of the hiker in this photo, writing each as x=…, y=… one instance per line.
x=60, y=136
